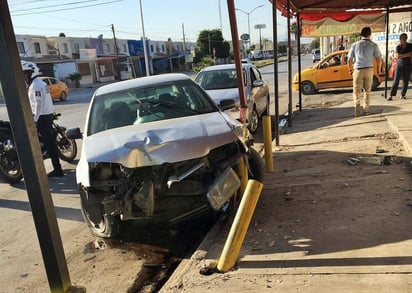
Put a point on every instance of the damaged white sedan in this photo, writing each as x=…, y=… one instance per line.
x=157, y=148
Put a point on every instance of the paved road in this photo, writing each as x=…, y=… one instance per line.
x=22, y=262
x=268, y=75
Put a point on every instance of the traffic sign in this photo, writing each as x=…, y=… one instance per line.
x=244, y=37
x=260, y=26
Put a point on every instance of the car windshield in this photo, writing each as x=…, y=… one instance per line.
x=146, y=104
x=218, y=79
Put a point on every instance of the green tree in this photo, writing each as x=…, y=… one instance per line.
x=294, y=30
x=282, y=49
x=209, y=40
x=315, y=43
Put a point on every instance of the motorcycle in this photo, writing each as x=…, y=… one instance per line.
x=10, y=170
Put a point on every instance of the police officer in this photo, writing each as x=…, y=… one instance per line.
x=42, y=109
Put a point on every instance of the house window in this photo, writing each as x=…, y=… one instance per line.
x=20, y=47
x=37, y=48
x=163, y=48
x=108, y=48
x=151, y=48
x=76, y=47
x=124, y=48
x=65, y=48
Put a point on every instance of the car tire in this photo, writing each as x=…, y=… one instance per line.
x=63, y=96
x=307, y=88
x=256, y=166
x=253, y=123
x=375, y=83
x=99, y=223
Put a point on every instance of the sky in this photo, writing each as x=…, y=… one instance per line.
x=162, y=19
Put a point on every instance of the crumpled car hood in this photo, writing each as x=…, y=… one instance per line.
x=159, y=142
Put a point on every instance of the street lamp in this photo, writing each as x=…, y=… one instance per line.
x=248, y=21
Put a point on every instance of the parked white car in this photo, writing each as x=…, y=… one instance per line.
x=220, y=82
x=315, y=55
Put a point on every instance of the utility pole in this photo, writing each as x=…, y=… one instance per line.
x=117, y=54
x=184, y=38
x=220, y=18
x=146, y=58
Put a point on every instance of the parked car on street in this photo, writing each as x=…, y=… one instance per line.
x=316, y=55
x=331, y=72
x=158, y=150
x=220, y=82
x=58, y=89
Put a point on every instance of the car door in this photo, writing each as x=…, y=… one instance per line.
x=259, y=92
x=54, y=88
x=347, y=79
x=329, y=72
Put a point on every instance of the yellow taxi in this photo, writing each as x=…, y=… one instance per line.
x=58, y=89
x=331, y=72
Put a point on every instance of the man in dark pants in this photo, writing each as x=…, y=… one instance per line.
x=42, y=109
x=403, y=67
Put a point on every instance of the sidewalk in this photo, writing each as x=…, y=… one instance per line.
x=322, y=224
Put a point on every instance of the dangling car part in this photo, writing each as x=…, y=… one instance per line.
x=158, y=149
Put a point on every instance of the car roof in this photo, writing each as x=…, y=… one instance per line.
x=225, y=66
x=336, y=53
x=141, y=82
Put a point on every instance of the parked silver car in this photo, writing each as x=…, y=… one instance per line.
x=220, y=82
x=157, y=148
x=315, y=55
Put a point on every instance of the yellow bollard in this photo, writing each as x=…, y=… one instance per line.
x=267, y=138
x=240, y=226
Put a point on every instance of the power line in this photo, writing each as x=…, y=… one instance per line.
x=59, y=10
x=50, y=6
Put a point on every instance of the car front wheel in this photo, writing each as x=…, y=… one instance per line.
x=253, y=122
x=256, y=165
x=63, y=96
x=100, y=224
x=308, y=88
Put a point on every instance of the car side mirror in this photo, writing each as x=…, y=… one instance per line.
x=258, y=83
x=226, y=104
x=74, y=133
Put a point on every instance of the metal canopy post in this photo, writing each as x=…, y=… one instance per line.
x=275, y=71
x=238, y=63
x=25, y=134
x=290, y=111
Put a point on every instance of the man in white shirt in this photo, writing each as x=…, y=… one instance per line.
x=43, y=110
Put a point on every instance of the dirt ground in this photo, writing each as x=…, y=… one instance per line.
x=335, y=214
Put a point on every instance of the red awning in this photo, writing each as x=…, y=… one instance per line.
x=339, y=10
